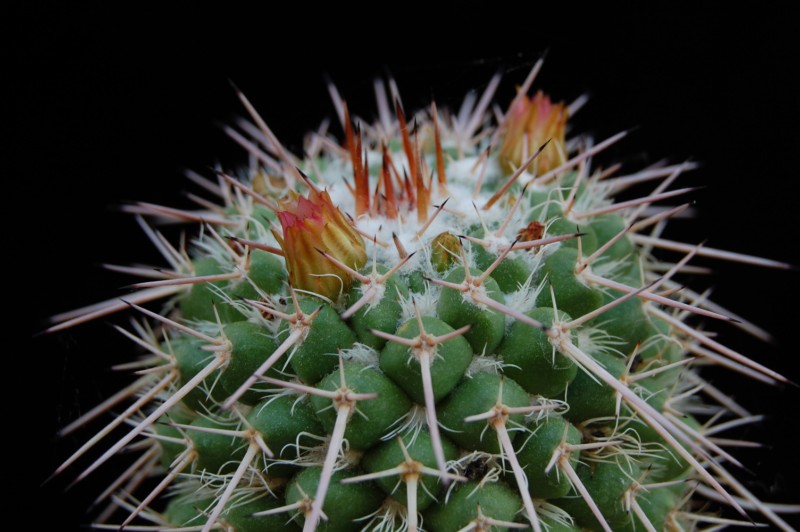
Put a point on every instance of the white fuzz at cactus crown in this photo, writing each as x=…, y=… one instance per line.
x=438, y=321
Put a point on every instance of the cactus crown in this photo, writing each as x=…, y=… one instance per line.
x=444, y=322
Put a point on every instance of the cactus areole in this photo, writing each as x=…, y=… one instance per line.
x=437, y=321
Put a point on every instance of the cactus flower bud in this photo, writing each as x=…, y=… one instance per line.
x=444, y=251
x=313, y=225
x=532, y=122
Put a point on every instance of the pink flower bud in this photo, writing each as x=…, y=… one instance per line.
x=313, y=225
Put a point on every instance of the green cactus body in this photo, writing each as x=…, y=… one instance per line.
x=345, y=355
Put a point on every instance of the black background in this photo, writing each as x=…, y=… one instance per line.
x=109, y=106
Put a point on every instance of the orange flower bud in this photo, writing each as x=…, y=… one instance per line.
x=532, y=122
x=316, y=224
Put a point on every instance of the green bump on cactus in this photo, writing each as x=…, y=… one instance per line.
x=315, y=356
x=563, y=226
x=607, y=481
x=249, y=344
x=381, y=313
x=572, y=293
x=509, y=274
x=587, y=398
x=206, y=301
x=184, y=511
x=419, y=448
x=248, y=515
x=190, y=359
x=344, y=503
x=552, y=436
x=447, y=367
x=287, y=424
x=450, y=326
x=373, y=419
x=486, y=324
x=491, y=505
x=217, y=450
x=532, y=361
x=475, y=396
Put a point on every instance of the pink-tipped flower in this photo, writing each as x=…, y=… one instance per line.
x=313, y=225
x=532, y=122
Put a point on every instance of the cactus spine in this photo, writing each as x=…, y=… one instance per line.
x=443, y=322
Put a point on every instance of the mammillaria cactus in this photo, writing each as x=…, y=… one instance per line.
x=435, y=321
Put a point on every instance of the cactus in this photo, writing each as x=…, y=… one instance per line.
x=438, y=321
